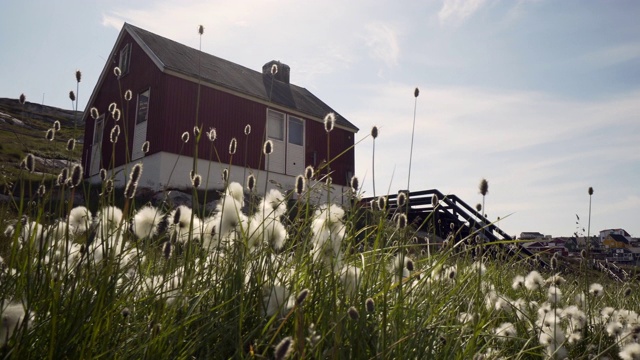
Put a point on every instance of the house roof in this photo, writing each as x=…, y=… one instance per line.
x=536, y=244
x=192, y=63
x=624, y=232
x=531, y=233
x=619, y=238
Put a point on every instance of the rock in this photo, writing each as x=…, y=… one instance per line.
x=210, y=206
x=6, y=118
x=7, y=198
x=78, y=198
x=173, y=198
x=145, y=195
x=53, y=164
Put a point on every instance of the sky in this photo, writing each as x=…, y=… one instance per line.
x=541, y=98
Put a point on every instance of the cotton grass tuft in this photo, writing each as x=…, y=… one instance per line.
x=329, y=122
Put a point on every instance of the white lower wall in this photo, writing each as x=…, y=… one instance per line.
x=164, y=171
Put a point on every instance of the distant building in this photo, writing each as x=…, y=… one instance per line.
x=171, y=85
x=604, y=233
x=530, y=235
x=547, y=245
x=624, y=255
x=616, y=241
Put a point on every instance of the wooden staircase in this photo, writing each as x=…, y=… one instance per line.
x=450, y=212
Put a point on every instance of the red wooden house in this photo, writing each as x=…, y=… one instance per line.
x=172, y=85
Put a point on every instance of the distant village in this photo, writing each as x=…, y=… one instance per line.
x=611, y=245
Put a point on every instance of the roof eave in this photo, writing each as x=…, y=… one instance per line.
x=126, y=28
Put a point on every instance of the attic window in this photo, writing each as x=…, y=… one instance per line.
x=143, y=107
x=125, y=56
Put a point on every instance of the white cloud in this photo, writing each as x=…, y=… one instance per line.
x=457, y=11
x=382, y=42
x=624, y=203
x=613, y=55
x=539, y=153
x=180, y=21
x=310, y=67
x=506, y=121
x=286, y=31
x=112, y=21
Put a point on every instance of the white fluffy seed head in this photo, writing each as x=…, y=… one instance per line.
x=518, y=282
x=630, y=351
x=554, y=295
x=79, y=219
x=108, y=218
x=350, y=276
x=12, y=317
x=596, y=289
x=329, y=122
x=505, y=331
x=145, y=222
x=235, y=190
x=331, y=214
x=274, y=205
x=533, y=280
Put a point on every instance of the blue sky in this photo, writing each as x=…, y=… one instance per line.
x=541, y=98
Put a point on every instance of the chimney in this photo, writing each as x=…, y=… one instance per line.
x=283, y=71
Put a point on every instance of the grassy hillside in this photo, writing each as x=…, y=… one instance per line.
x=23, y=129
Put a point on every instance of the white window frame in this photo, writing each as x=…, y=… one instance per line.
x=125, y=59
x=148, y=95
x=99, y=123
x=96, y=153
x=295, y=119
x=283, y=124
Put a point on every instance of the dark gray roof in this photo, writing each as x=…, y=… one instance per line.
x=185, y=60
x=619, y=238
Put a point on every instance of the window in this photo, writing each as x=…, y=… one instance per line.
x=98, y=130
x=125, y=56
x=143, y=107
x=296, y=131
x=96, y=147
x=275, y=125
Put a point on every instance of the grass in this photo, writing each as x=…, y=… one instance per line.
x=275, y=276
x=235, y=300
x=17, y=141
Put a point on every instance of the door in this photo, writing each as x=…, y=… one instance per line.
x=276, y=133
x=295, y=146
x=96, y=146
x=287, y=134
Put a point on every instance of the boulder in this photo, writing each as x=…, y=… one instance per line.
x=210, y=206
x=173, y=198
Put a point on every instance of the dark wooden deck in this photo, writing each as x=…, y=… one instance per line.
x=452, y=212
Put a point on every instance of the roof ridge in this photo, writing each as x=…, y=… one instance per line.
x=189, y=47
x=181, y=58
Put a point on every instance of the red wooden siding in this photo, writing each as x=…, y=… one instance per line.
x=340, y=139
x=172, y=111
x=143, y=74
x=228, y=114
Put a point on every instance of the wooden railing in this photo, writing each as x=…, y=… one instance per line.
x=450, y=209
